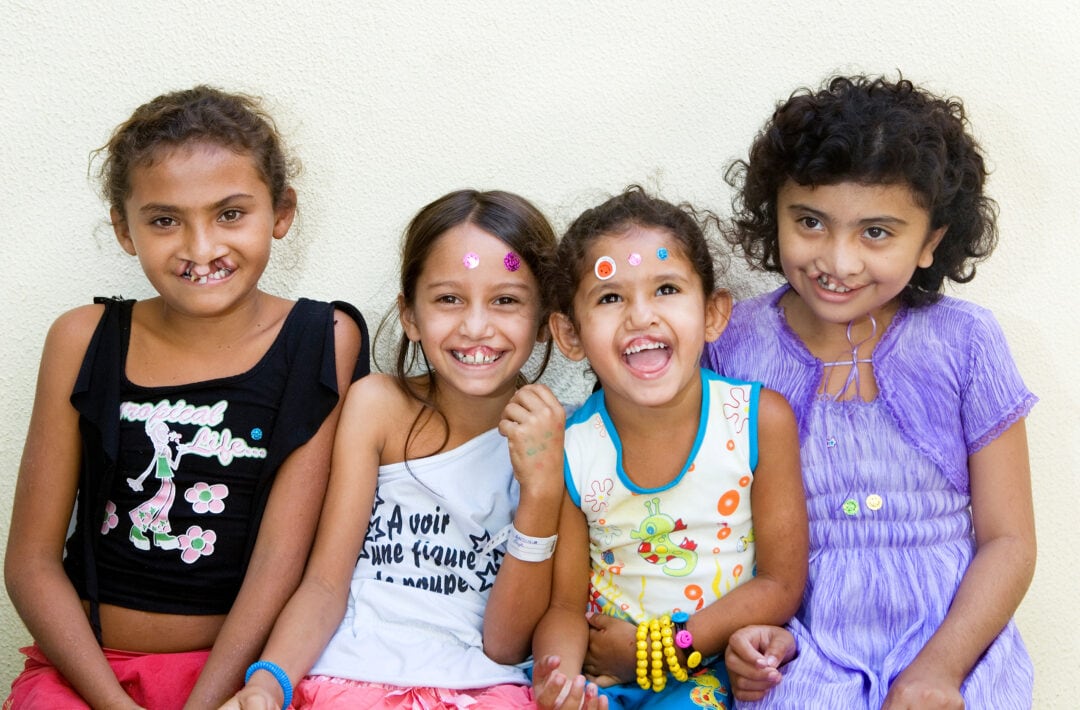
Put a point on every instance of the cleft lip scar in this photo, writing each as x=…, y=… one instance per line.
x=217, y=275
x=826, y=282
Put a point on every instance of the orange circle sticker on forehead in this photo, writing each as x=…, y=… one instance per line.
x=605, y=268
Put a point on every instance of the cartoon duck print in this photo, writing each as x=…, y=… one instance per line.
x=709, y=692
x=657, y=547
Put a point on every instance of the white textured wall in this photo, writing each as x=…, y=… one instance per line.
x=390, y=105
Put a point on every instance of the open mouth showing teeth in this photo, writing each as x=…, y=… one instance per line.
x=634, y=349
x=826, y=283
x=476, y=358
x=215, y=276
x=647, y=357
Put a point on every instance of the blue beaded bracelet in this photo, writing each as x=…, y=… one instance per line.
x=279, y=675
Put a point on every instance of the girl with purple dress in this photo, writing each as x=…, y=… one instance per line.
x=867, y=195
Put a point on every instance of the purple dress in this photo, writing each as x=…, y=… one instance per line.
x=887, y=496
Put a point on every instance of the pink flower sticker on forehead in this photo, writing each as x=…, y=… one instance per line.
x=512, y=261
x=634, y=259
x=471, y=260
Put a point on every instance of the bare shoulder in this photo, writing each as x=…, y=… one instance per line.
x=774, y=411
x=379, y=407
x=78, y=322
x=70, y=334
x=345, y=323
x=380, y=397
x=346, y=332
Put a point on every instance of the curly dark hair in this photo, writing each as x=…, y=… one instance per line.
x=633, y=207
x=870, y=130
x=202, y=113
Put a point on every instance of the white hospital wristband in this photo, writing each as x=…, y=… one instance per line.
x=530, y=549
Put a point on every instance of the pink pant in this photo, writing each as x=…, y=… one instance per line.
x=157, y=681
x=322, y=693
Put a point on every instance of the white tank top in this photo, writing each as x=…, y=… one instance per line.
x=416, y=605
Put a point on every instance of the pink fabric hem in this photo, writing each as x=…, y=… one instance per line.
x=328, y=693
x=161, y=681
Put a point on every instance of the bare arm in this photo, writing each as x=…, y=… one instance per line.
x=281, y=549
x=318, y=605
x=563, y=631
x=995, y=581
x=533, y=424
x=44, y=497
x=781, y=532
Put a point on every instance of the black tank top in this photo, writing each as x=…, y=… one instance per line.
x=174, y=479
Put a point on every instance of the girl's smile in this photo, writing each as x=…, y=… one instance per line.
x=647, y=357
x=191, y=274
x=477, y=356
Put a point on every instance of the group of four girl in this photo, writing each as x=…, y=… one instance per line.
x=641, y=548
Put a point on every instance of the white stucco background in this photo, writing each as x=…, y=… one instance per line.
x=389, y=105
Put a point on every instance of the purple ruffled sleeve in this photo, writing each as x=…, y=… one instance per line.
x=994, y=396
x=946, y=375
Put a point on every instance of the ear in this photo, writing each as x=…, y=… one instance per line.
x=284, y=213
x=717, y=313
x=407, y=318
x=926, y=256
x=566, y=336
x=120, y=229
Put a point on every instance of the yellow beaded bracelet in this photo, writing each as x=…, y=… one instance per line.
x=670, y=655
x=656, y=656
x=655, y=646
x=642, y=669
